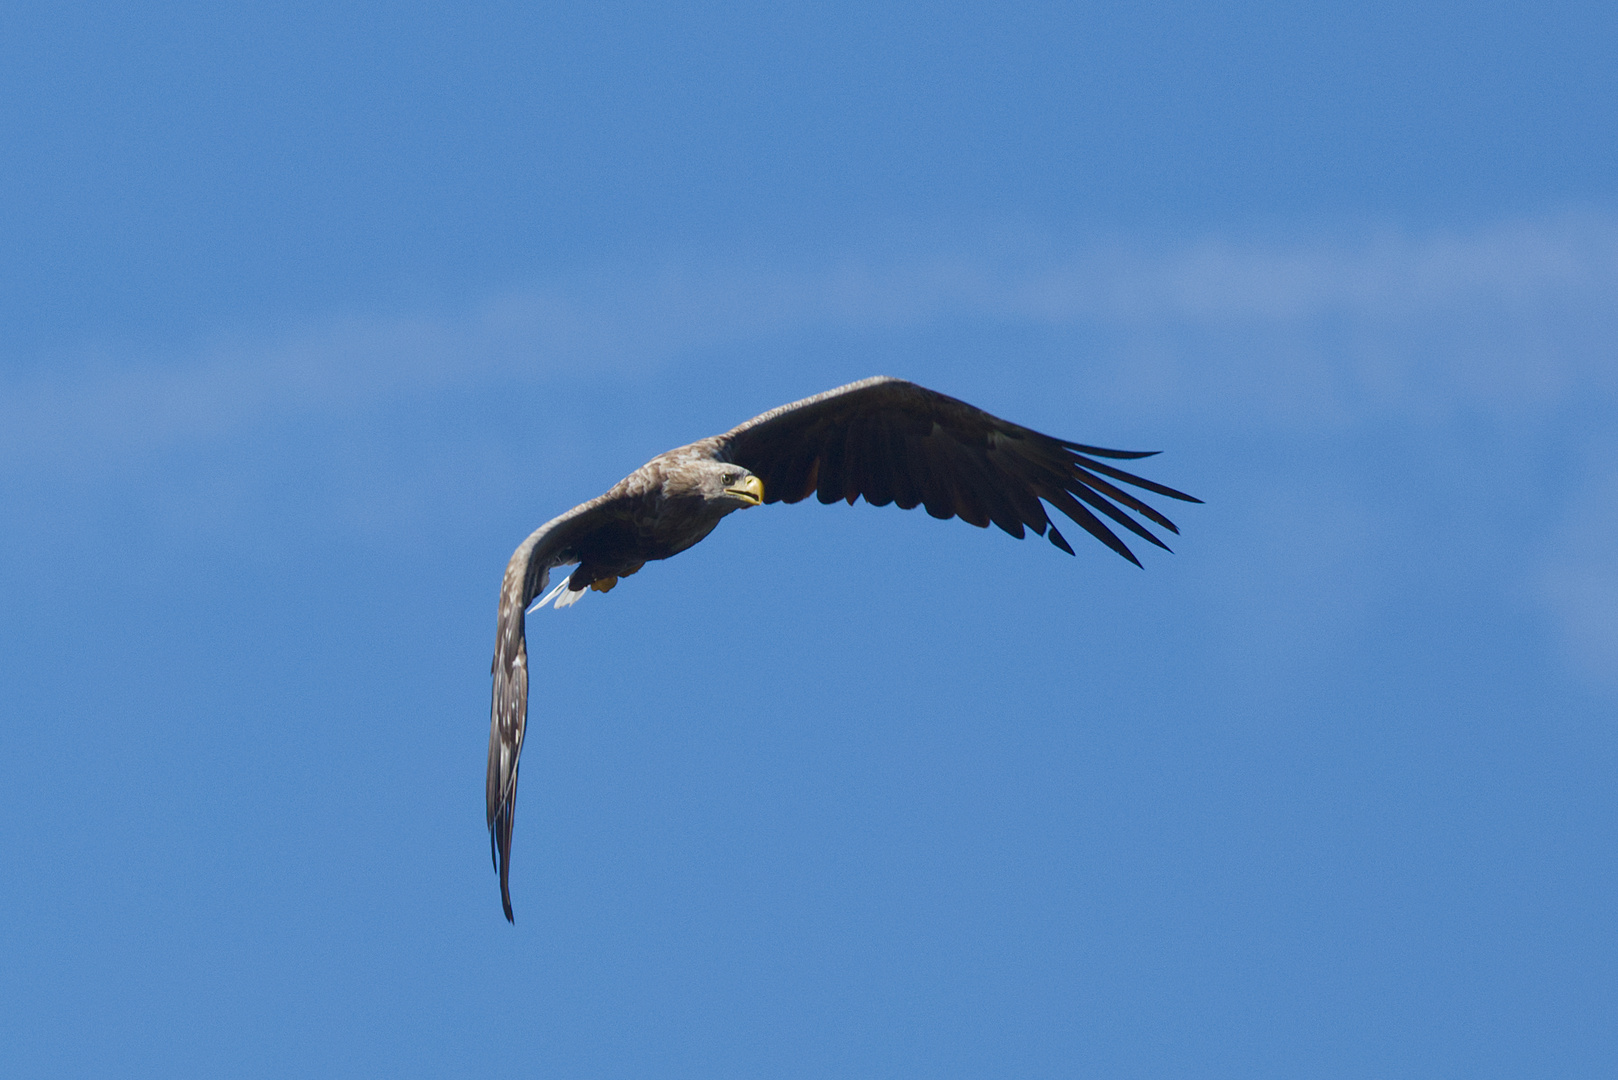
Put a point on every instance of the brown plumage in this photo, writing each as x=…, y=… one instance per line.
x=885, y=440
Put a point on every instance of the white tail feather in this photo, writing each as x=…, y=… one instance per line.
x=569, y=598
x=548, y=597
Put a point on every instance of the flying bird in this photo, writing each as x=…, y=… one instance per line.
x=887, y=440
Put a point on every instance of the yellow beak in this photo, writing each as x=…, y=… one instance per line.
x=750, y=491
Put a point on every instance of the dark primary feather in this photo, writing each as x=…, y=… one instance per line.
x=888, y=440
x=884, y=440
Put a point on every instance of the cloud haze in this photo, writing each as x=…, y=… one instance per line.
x=1512, y=316
x=1511, y=325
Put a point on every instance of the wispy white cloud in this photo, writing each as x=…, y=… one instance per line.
x=1577, y=585
x=1515, y=322
x=1510, y=317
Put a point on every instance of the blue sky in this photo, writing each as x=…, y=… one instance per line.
x=311, y=314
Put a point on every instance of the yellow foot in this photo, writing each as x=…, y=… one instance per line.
x=604, y=584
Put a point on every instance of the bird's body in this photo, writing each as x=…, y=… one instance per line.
x=882, y=439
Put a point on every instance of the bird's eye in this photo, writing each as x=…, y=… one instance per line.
x=728, y=479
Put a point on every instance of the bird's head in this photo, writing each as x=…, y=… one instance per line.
x=731, y=484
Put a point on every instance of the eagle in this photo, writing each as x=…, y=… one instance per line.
x=883, y=439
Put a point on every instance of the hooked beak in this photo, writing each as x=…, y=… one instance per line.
x=750, y=491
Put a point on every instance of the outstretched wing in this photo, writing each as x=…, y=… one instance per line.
x=893, y=441
x=527, y=575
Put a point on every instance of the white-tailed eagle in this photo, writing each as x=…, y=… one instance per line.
x=887, y=440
